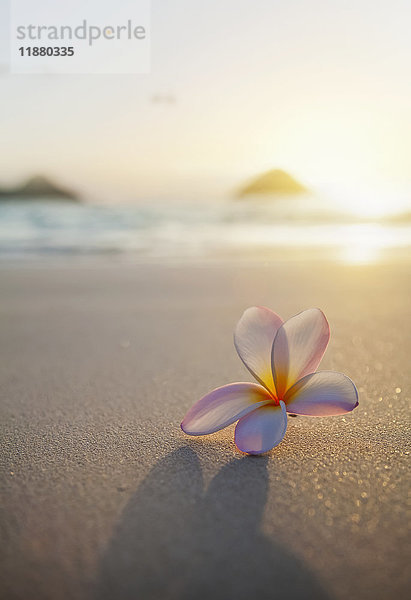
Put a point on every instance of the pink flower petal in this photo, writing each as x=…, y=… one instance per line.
x=253, y=339
x=298, y=348
x=262, y=429
x=322, y=394
x=223, y=406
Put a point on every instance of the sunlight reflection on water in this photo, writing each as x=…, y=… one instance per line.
x=366, y=243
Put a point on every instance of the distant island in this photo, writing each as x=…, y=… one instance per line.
x=272, y=183
x=38, y=188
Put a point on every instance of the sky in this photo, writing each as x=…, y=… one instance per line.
x=321, y=89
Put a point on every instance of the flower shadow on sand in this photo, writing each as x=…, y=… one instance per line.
x=176, y=540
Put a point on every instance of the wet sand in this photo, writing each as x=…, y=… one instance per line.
x=104, y=497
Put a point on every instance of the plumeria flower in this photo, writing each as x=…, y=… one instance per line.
x=283, y=358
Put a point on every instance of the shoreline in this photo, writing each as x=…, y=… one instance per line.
x=363, y=256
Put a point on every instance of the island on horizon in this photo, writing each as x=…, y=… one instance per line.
x=275, y=182
x=39, y=188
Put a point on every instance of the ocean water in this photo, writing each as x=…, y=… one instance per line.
x=193, y=229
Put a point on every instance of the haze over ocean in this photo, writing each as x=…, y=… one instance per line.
x=194, y=230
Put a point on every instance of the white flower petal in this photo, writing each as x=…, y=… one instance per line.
x=322, y=394
x=262, y=429
x=298, y=348
x=223, y=406
x=253, y=338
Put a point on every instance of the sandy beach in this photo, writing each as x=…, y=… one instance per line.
x=105, y=498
